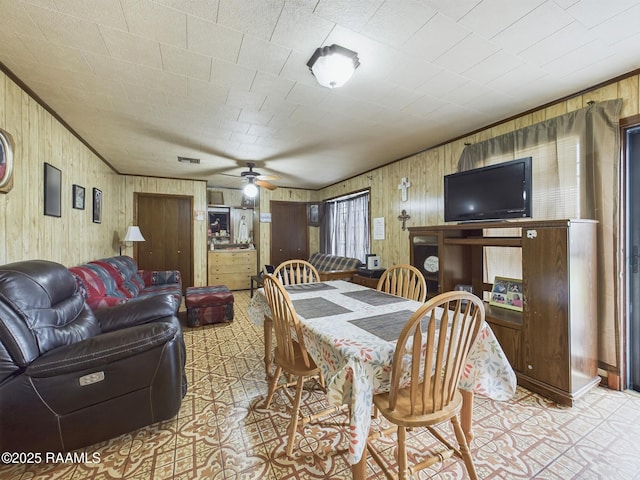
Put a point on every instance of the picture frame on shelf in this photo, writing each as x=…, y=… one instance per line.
x=78, y=197
x=52, y=191
x=507, y=293
x=97, y=205
x=463, y=288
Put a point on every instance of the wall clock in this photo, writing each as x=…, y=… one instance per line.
x=6, y=162
x=431, y=264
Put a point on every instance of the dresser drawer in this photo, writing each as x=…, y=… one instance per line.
x=234, y=268
x=232, y=258
x=232, y=281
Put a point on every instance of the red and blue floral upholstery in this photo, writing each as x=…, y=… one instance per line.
x=110, y=281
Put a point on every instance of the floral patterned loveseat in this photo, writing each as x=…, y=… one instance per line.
x=114, y=280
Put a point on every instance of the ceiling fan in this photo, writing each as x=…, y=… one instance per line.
x=258, y=179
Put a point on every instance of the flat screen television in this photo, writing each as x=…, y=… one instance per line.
x=494, y=192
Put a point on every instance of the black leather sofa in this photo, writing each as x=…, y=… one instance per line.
x=71, y=377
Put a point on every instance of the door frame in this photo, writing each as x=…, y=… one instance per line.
x=626, y=124
x=137, y=195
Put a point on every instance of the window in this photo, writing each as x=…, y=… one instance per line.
x=345, y=226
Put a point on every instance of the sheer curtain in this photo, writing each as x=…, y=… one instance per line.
x=575, y=163
x=344, y=229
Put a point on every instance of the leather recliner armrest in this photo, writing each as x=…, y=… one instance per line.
x=102, y=349
x=136, y=313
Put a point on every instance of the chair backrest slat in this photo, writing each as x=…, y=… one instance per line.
x=405, y=281
x=434, y=345
x=296, y=272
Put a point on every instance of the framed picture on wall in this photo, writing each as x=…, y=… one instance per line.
x=97, y=205
x=248, y=202
x=6, y=162
x=313, y=214
x=215, y=197
x=52, y=191
x=78, y=197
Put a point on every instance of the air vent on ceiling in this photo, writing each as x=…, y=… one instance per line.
x=189, y=160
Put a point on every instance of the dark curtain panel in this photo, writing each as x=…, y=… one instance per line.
x=326, y=226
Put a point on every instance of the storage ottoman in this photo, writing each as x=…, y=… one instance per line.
x=206, y=305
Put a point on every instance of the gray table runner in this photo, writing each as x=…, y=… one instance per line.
x=386, y=326
x=308, y=287
x=317, y=307
x=374, y=297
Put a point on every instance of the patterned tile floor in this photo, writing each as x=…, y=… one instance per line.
x=221, y=433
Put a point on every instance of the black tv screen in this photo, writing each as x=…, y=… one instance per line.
x=494, y=192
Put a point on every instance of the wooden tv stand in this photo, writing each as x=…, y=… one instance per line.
x=552, y=343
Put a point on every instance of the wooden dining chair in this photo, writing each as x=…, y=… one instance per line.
x=295, y=272
x=405, y=281
x=290, y=356
x=436, y=339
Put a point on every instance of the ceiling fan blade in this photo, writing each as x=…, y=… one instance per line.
x=267, y=185
x=267, y=177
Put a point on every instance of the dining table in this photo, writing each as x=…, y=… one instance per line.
x=350, y=332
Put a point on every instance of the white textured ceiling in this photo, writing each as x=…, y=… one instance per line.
x=226, y=81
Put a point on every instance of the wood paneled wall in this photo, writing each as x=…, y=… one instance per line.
x=26, y=233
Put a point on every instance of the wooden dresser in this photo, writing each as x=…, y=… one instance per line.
x=232, y=268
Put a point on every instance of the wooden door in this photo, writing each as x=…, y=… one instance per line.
x=167, y=225
x=289, y=232
x=545, y=328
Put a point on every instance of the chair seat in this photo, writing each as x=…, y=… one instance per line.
x=298, y=367
x=402, y=414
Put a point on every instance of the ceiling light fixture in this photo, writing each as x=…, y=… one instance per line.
x=333, y=66
x=250, y=189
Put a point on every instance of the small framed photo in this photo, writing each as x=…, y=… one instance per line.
x=507, y=293
x=52, y=191
x=97, y=205
x=463, y=288
x=313, y=214
x=78, y=197
x=248, y=202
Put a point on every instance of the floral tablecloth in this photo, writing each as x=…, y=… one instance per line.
x=356, y=363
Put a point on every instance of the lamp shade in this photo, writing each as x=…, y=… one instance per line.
x=133, y=234
x=333, y=66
